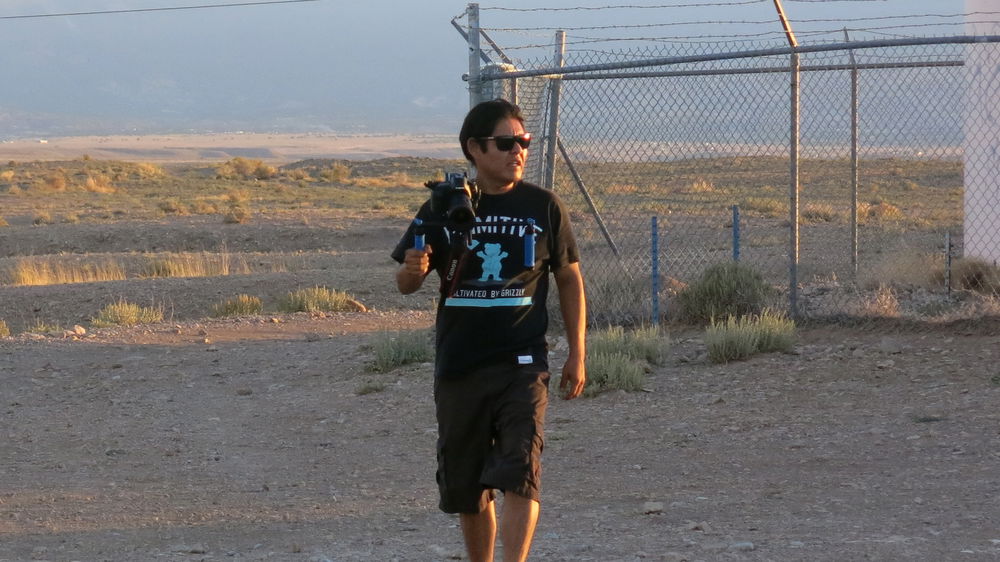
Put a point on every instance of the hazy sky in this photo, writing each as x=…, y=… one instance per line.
x=367, y=65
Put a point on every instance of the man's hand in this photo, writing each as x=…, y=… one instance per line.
x=574, y=377
x=416, y=264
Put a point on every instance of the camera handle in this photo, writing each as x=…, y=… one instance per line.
x=530, y=235
x=418, y=234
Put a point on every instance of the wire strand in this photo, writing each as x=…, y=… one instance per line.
x=162, y=9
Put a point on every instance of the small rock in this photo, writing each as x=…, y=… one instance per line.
x=887, y=364
x=244, y=392
x=652, y=508
x=79, y=330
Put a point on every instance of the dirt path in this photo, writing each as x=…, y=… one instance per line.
x=249, y=440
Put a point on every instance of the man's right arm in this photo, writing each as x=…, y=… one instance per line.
x=415, y=267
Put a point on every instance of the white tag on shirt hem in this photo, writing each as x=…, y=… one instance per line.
x=524, y=360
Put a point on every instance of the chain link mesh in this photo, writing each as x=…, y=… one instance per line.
x=702, y=144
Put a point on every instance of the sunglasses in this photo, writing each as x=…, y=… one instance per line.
x=505, y=143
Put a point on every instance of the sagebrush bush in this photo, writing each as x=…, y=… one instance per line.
x=124, y=313
x=613, y=371
x=395, y=349
x=740, y=338
x=319, y=299
x=240, y=305
x=723, y=290
x=644, y=344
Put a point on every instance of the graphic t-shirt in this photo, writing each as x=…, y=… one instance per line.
x=492, y=306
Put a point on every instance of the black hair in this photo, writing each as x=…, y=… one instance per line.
x=482, y=119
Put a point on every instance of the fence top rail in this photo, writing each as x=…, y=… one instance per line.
x=490, y=74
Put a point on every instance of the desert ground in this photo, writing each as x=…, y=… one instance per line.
x=260, y=437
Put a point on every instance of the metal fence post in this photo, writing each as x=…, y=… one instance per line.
x=553, y=133
x=793, y=251
x=655, y=251
x=854, y=158
x=475, y=52
x=736, y=233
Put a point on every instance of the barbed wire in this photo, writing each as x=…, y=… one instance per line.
x=624, y=7
x=160, y=9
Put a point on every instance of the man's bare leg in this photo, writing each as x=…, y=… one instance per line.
x=480, y=533
x=517, y=526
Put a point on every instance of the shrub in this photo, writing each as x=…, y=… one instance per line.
x=370, y=387
x=319, y=299
x=98, y=183
x=739, y=338
x=237, y=214
x=336, y=173
x=4, y=330
x=3, y=222
x=643, y=344
x=395, y=349
x=41, y=217
x=241, y=305
x=613, y=371
x=124, y=313
x=817, y=213
x=726, y=289
x=976, y=275
x=882, y=302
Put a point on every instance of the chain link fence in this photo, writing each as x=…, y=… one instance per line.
x=675, y=160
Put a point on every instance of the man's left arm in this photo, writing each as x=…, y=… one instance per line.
x=573, y=304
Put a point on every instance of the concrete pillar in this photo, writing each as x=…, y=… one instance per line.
x=982, y=140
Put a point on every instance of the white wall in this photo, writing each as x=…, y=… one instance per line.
x=982, y=139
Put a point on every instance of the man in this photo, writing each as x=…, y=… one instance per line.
x=491, y=367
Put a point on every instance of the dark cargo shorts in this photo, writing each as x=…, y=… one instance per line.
x=490, y=434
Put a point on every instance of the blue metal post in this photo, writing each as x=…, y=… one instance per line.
x=736, y=233
x=656, y=271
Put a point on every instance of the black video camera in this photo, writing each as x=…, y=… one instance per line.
x=454, y=200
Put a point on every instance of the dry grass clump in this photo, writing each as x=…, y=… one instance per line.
x=237, y=215
x=319, y=299
x=814, y=213
x=880, y=211
x=740, y=338
x=241, y=305
x=196, y=265
x=395, y=349
x=977, y=275
x=124, y=313
x=3, y=222
x=4, y=329
x=880, y=303
x=98, y=183
x=37, y=271
x=42, y=218
x=770, y=208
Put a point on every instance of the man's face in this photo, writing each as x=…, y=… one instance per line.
x=495, y=167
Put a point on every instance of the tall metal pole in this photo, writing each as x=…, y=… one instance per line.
x=553, y=133
x=793, y=154
x=475, y=52
x=854, y=159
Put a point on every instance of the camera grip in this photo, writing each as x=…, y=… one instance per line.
x=418, y=234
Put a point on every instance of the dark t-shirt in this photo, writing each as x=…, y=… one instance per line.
x=494, y=308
